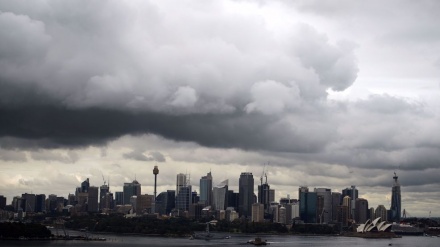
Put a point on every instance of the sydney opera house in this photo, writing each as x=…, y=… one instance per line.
x=374, y=226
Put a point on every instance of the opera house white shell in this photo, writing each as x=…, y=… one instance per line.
x=374, y=226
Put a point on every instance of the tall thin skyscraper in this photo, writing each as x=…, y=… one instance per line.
x=219, y=198
x=206, y=189
x=396, y=202
x=180, y=182
x=131, y=189
x=246, y=194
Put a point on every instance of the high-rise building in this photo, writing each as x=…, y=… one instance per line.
x=107, y=201
x=103, y=190
x=143, y=203
x=206, y=189
x=302, y=189
x=165, y=202
x=381, y=212
x=257, y=212
x=246, y=194
x=184, y=198
x=85, y=185
x=336, y=201
x=131, y=189
x=343, y=213
x=92, y=199
x=346, y=201
x=119, y=198
x=233, y=199
x=29, y=202
x=371, y=214
x=353, y=193
x=2, y=202
x=396, y=203
x=308, y=206
x=40, y=203
x=361, y=211
x=180, y=182
x=326, y=211
x=271, y=195
x=263, y=196
x=282, y=218
x=220, y=196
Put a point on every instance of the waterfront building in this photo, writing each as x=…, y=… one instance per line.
x=343, y=215
x=246, y=194
x=346, y=201
x=220, y=195
x=361, y=211
x=257, y=212
x=131, y=189
x=371, y=214
x=396, y=203
x=206, y=189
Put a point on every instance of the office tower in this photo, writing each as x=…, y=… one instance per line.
x=326, y=210
x=343, y=212
x=271, y=195
x=92, y=199
x=143, y=204
x=206, y=189
x=71, y=199
x=2, y=202
x=220, y=197
x=119, y=198
x=184, y=198
x=51, y=202
x=131, y=189
x=336, y=201
x=40, y=203
x=165, y=202
x=353, y=193
x=233, y=199
x=308, y=206
x=346, y=201
x=381, y=212
x=107, y=201
x=155, y=172
x=85, y=186
x=103, y=190
x=29, y=202
x=361, y=211
x=302, y=189
x=257, y=212
x=246, y=194
x=180, y=182
x=263, y=195
x=292, y=211
x=396, y=203
x=274, y=211
x=282, y=218
x=371, y=214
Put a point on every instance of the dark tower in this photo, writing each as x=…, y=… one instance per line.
x=396, y=203
x=155, y=172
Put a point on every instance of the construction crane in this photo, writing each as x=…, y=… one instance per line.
x=103, y=179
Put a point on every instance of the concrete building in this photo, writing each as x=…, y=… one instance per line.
x=92, y=199
x=381, y=212
x=336, y=201
x=40, y=203
x=346, y=201
x=180, y=182
x=184, y=198
x=282, y=218
x=119, y=198
x=28, y=201
x=326, y=209
x=143, y=204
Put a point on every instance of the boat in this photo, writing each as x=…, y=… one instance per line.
x=206, y=236
x=257, y=241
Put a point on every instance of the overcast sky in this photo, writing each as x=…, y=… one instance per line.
x=330, y=93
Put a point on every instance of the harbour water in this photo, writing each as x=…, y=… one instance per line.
x=235, y=240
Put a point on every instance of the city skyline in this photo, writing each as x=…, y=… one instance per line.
x=330, y=94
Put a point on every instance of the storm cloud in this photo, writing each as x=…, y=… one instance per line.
x=327, y=92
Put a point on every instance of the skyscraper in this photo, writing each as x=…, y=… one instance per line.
x=2, y=202
x=257, y=212
x=180, y=182
x=361, y=211
x=206, y=189
x=326, y=211
x=308, y=206
x=381, y=212
x=29, y=202
x=246, y=194
x=263, y=196
x=131, y=189
x=220, y=199
x=396, y=203
x=92, y=199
